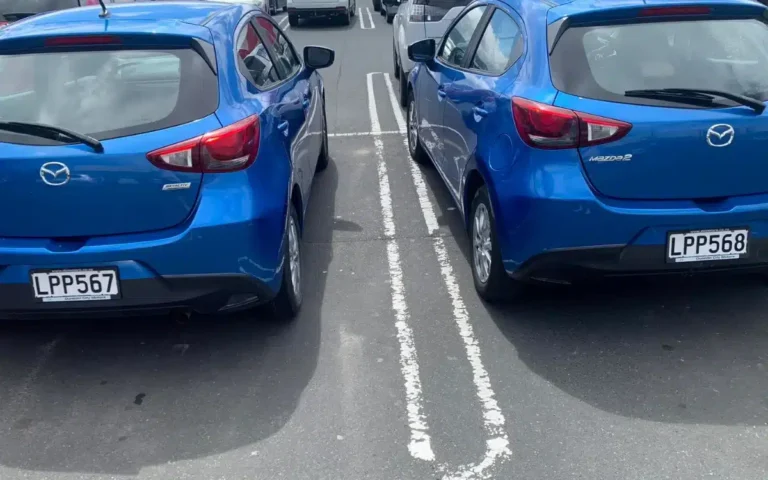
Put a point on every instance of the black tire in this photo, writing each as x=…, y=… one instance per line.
x=403, y=88
x=285, y=7
x=395, y=62
x=376, y=5
x=498, y=286
x=390, y=18
x=415, y=149
x=324, y=158
x=293, y=20
x=287, y=303
x=346, y=19
x=383, y=11
x=353, y=9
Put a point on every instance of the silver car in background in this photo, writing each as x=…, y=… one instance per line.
x=418, y=20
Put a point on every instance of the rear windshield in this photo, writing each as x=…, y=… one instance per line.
x=13, y=10
x=603, y=62
x=105, y=94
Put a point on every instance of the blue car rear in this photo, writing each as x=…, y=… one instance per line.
x=182, y=190
x=610, y=138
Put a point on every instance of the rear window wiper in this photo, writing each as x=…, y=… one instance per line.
x=696, y=96
x=52, y=133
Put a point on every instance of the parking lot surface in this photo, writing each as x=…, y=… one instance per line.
x=395, y=369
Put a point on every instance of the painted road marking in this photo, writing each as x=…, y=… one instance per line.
x=283, y=23
x=420, y=445
x=364, y=134
x=494, y=423
x=371, y=25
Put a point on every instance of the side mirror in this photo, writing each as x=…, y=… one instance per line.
x=318, y=57
x=422, y=51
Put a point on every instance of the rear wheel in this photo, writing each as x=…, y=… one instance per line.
x=288, y=301
x=383, y=10
x=390, y=18
x=376, y=5
x=414, y=146
x=347, y=16
x=491, y=281
x=293, y=20
x=395, y=62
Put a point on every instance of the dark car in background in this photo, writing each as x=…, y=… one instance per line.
x=14, y=10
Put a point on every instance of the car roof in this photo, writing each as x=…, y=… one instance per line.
x=188, y=18
x=571, y=7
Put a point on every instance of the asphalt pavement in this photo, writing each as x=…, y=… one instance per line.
x=395, y=369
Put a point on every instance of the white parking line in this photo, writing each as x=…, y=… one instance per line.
x=420, y=445
x=497, y=441
x=283, y=23
x=364, y=134
x=371, y=25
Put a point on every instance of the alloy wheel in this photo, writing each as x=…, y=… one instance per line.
x=481, y=243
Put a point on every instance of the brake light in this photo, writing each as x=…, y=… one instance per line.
x=545, y=126
x=228, y=149
x=669, y=11
x=86, y=40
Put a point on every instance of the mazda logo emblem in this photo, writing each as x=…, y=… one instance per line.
x=720, y=135
x=55, y=174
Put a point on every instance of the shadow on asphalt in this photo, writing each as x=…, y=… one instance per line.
x=669, y=350
x=115, y=396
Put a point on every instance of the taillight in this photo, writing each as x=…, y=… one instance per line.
x=228, y=149
x=545, y=126
x=418, y=13
x=3, y=24
x=674, y=11
x=80, y=41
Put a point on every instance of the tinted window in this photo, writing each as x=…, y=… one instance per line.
x=457, y=40
x=106, y=94
x=256, y=62
x=500, y=46
x=285, y=55
x=604, y=62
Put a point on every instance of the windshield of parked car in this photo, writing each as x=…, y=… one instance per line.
x=603, y=62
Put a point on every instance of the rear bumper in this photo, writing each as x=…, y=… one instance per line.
x=551, y=223
x=577, y=264
x=193, y=293
x=309, y=11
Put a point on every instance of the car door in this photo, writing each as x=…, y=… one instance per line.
x=472, y=90
x=303, y=110
x=450, y=60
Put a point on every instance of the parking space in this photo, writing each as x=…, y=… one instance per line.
x=395, y=369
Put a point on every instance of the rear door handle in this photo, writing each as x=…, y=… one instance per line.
x=283, y=127
x=441, y=91
x=479, y=111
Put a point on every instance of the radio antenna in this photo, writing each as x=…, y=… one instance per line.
x=104, y=12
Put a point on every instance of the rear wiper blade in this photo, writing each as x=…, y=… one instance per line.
x=696, y=95
x=52, y=133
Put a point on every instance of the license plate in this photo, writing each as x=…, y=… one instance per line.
x=708, y=245
x=79, y=285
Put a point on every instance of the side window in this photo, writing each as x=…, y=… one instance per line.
x=286, y=56
x=255, y=62
x=457, y=40
x=500, y=46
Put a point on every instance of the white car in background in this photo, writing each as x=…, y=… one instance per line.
x=274, y=5
x=341, y=9
x=418, y=20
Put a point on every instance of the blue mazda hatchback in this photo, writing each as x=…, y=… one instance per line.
x=155, y=156
x=612, y=138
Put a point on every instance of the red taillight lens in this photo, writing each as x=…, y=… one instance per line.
x=3, y=24
x=545, y=126
x=86, y=40
x=228, y=149
x=671, y=11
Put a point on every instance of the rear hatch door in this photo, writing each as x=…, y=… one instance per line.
x=132, y=101
x=678, y=148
